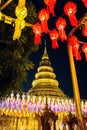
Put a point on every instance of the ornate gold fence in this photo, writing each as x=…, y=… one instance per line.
x=19, y=123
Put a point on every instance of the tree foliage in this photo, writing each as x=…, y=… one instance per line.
x=14, y=55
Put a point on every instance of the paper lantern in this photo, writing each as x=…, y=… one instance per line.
x=73, y=41
x=54, y=36
x=84, y=49
x=44, y=16
x=21, y=13
x=85, y=3
x=84, y=30
x=61, y=24
x=70, y=9
x=37, y=32
x=50, y=5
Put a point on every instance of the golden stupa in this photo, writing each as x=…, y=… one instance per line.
x=45, y=83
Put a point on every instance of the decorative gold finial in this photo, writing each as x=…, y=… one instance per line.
x=45, y=55
x=45, y=49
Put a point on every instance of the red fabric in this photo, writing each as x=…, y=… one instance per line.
x=61, y=24
x=84, y=50
x=85, y=3
x=54, y=37
x=84, y=30
x=37, y=32
x=73, y=41
x=44, y=16
x=70, y=9
x=50, y=5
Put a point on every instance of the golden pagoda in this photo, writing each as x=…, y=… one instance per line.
x=45, y=83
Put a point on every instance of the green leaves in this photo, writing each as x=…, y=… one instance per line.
x=14, y=55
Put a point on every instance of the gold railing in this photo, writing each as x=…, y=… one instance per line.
x=19, y=123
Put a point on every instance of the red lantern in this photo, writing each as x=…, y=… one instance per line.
x=84, y=30
x=61, y=24
x=44, y=16
x=37, y=31
x=85, y=3
x=73, y=41
x=70, y=9
x=54, y=37
x=84, y=49
x=50, y=5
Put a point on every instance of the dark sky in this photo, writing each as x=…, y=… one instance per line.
x=59, y=57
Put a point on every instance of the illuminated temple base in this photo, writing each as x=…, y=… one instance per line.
x=24, y=113
x=19, y=106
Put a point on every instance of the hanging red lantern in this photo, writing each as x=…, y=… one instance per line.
x=84, y=49
x=73, y=41
x=44, y=16
x=84, y=30
x=54, y=36
x=70, y=9
x=85, y=3
x=50, y=5
x=61, y=24
x=37, y=32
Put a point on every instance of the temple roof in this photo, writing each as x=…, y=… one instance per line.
x=45, y=83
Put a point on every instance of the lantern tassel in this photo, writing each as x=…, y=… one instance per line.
x=44, y=26
x=62, y=35
x=37, y=39
x=51, y=8
x=73, y=20
x=55, y=44
x=76, y=53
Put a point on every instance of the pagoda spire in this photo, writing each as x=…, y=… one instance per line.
x=45, y=54
x=45, y=82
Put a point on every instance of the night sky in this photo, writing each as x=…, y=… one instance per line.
x=59, y=57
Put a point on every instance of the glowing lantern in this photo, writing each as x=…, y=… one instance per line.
x=84, y=30
x=21, y=13
x=70, y=9
x=37, y=32
x=61, y=24
x=84, y=49
x=50, y=5
x=73, y=41
x=85, y=3
x=44, y=16
x=54, y=36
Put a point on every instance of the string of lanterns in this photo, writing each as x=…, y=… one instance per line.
x=70, y=8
